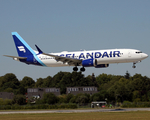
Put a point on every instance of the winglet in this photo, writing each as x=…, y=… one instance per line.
x=39, y=50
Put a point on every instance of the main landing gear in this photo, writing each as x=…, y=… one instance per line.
x=75, y=69
x=81, y=69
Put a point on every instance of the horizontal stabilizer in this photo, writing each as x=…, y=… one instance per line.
x=16, y=57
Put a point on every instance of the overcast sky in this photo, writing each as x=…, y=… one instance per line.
x=71, y=25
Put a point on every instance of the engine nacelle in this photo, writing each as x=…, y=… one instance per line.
x=93, y=62
x=89, y=62
x=102, y=66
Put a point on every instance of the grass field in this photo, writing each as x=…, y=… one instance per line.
x=140, y=115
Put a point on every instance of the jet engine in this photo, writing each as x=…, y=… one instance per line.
x=93, y=62
x=89, y=62
x=102, y=66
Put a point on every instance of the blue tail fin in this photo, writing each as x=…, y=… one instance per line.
x=22, y=47
x=24, y=50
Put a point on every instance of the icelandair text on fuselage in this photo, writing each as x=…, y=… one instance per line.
x=93, y=55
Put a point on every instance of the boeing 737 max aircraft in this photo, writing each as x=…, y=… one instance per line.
x=93, y=58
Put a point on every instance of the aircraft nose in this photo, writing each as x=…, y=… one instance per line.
x=145, y=55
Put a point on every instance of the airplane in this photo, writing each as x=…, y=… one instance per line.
x=92, y=58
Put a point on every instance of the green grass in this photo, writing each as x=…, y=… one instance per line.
x=140, y=115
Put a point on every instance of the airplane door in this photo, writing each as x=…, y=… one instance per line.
x=129, y=53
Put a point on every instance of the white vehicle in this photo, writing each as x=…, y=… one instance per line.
x=92, y=58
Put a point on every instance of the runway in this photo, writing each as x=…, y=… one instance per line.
x=74, y=111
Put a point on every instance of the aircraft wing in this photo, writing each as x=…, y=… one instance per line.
x=16, y=57
x=70, y=61
x=65, y=59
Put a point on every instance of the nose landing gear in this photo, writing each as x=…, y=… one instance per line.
x=134, y=65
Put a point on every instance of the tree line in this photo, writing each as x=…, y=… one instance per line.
x=113, y=88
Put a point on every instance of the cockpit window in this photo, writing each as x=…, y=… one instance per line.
x=138, y=52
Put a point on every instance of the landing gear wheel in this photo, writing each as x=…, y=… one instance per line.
x=75, y=69
x=134, y=65
x=82, y=69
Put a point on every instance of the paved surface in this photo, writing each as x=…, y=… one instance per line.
x=75, y=111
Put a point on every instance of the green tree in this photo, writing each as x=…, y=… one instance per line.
x=5, y=101
x=39, y=82
x=127, y=75
x=57, y=78
x=62, y=98
x=69, y=97
x=73, y=99
x=27, y=82
x=97, y=97
x=120, y=90
x=9, y=85
x=9, y=80
x=148, y=94
x=10, y=77
x=82, y=98
x=136, y=96
x=21, y=90
x=49, y=98
x=77, y=79
x=47, y=82
x=141, y=84
x=103, y=78
x=65, y=81
x=92, y=80
x=19, y=99
x=70, y=80
x=9, y=90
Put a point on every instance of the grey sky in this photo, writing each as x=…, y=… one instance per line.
x=70, y=25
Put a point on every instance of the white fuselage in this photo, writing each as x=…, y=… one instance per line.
x=93, y=58
x=102, y=56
